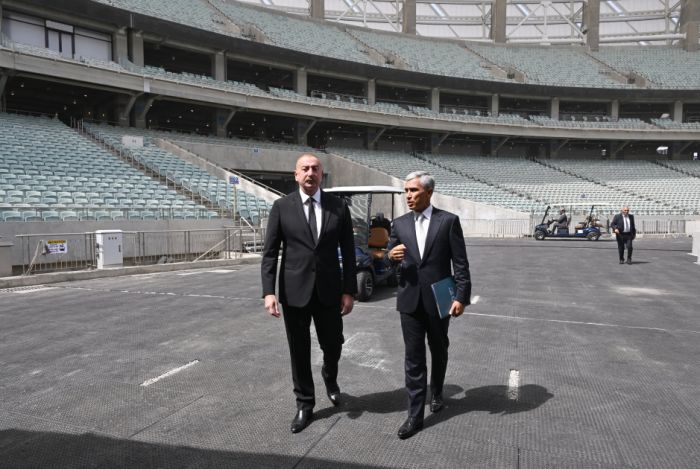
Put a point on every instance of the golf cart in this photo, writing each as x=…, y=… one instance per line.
x=588, y=227
x=371, y=234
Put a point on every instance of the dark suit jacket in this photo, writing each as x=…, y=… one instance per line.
x=444, y=251
x=619, y=223
x=306, y=266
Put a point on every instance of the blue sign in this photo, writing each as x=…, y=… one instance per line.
x=233, y=179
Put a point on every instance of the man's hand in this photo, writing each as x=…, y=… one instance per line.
x=457, y=309
x=272, y=306
x=346, y=304
x=398, y=253
x=617, y=231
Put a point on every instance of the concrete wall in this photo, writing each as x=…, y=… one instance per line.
x=258, y=159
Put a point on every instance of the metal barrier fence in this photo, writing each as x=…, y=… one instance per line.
x=506, y=228
x=55, y=252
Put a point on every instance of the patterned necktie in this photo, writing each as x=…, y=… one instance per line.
x=312, y=218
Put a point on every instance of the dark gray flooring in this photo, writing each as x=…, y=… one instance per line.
x=608, y=357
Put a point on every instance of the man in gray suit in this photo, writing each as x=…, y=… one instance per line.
x=309, y=225
x=429, y=244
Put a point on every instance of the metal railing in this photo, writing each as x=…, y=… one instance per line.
x=57, y=252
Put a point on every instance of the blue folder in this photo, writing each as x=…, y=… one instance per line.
x=445, y=292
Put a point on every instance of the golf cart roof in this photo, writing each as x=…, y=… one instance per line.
x=365, y=190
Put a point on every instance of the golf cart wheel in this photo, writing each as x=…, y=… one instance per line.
x=539, y=235
x=365, y=285
x=593, y=236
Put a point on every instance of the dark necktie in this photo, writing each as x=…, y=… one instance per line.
x=312, y=218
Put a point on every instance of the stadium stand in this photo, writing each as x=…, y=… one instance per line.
x=436, y=57
x=65, y=176
x=448, y=182
x=553, y=66
x=594, y=122
x=296, y=33
x=646, y=179
x=193, y=13
x=664, y=67
x=174, y=170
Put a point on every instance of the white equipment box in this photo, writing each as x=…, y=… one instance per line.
x=109, y=248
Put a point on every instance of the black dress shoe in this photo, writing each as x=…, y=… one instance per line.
x=410, y=427
x=629, y=261
x=622, y=261
x=334, y=397
x=302, y=420
x=436, y=403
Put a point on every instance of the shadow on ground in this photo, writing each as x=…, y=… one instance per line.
x=20, y=449
x=492, y=399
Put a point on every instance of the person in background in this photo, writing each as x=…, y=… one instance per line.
x=625, y=232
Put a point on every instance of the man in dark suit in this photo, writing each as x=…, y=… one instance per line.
x=310, y=225
x=429, y=244
x=625, y=232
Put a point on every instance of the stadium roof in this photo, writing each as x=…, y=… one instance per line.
x=632, y=22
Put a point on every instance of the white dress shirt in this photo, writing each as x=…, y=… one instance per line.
x=626, y=220
x=317, y=208
x=422, y=221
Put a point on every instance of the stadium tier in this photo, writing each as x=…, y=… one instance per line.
x=663, y=67
x=530, y=186
x=50, y=172
x=551, y=66
x=645, y=179
x=435, y=57
x=195, y=13
x=331, y=100
x=216, y=192
x=611, y=67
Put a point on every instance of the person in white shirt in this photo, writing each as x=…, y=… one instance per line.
x=625, y=232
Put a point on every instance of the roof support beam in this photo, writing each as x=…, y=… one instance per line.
x=408, y=16
x=591, y=24
x=498, y=21
x=317, y=9
x=690, y=23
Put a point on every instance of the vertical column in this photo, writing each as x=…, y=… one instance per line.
x=219, y=66
x=122, y=108
x=300, y=81
x=615, y=109
x=408, y=17
x=591, y=23
x=690, y=23
x=223, y=117
x=554, y=108
x=120, y=46
x=435, y=99
x=371, y=91
x=0, y=18
x=317, y=9
x=494, y=105
x=498, y=21
x=136, y=47
x=678, y=111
